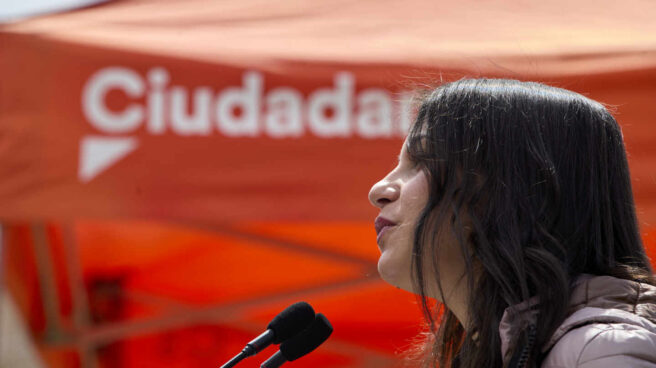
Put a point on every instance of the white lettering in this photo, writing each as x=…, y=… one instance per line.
x=374, y=114
x=339, y=100
x=245, y=110
x=405, y=107
x=158, y=78
x=248, y=99
x=283, y=117
x=196, y=123
x=93, y=100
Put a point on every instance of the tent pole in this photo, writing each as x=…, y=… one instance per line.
x=47, y=286
x=81, y=315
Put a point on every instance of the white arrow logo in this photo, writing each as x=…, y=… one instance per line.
x=97, y=153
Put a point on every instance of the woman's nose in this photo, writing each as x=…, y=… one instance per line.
x=383, y=193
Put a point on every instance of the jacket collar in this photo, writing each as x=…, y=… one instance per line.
x=594, y=299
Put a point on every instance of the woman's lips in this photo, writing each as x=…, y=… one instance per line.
x=382, y=225
x=382, y=232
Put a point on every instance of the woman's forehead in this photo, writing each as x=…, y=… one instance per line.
x=413, y=139
x=404, y=148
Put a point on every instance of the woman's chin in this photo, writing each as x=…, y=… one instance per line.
x=393, y=275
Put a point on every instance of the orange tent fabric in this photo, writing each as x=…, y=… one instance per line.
x=72, y=71
x=191, y=167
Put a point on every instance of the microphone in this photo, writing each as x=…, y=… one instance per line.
x=301, y=344
x=285, y=325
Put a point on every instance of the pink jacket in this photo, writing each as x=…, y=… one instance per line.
x=612, y=323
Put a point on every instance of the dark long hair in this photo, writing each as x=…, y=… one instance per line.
x=539, y=174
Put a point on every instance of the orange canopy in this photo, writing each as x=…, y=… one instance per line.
x=201, y=110
x=209, y=161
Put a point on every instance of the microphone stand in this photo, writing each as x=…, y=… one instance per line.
x=236, y=359
x=252, y=348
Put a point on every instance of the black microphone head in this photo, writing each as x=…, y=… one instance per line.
x=290, y=322
x=308, y=340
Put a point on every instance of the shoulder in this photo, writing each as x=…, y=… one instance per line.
x=604, y=345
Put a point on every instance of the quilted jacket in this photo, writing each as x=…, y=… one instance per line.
x=611, y=323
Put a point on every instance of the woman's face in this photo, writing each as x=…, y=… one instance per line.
x=400, y=196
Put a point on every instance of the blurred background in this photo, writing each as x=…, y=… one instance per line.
x=175, y=173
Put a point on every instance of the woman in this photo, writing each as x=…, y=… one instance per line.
x=511, y=205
